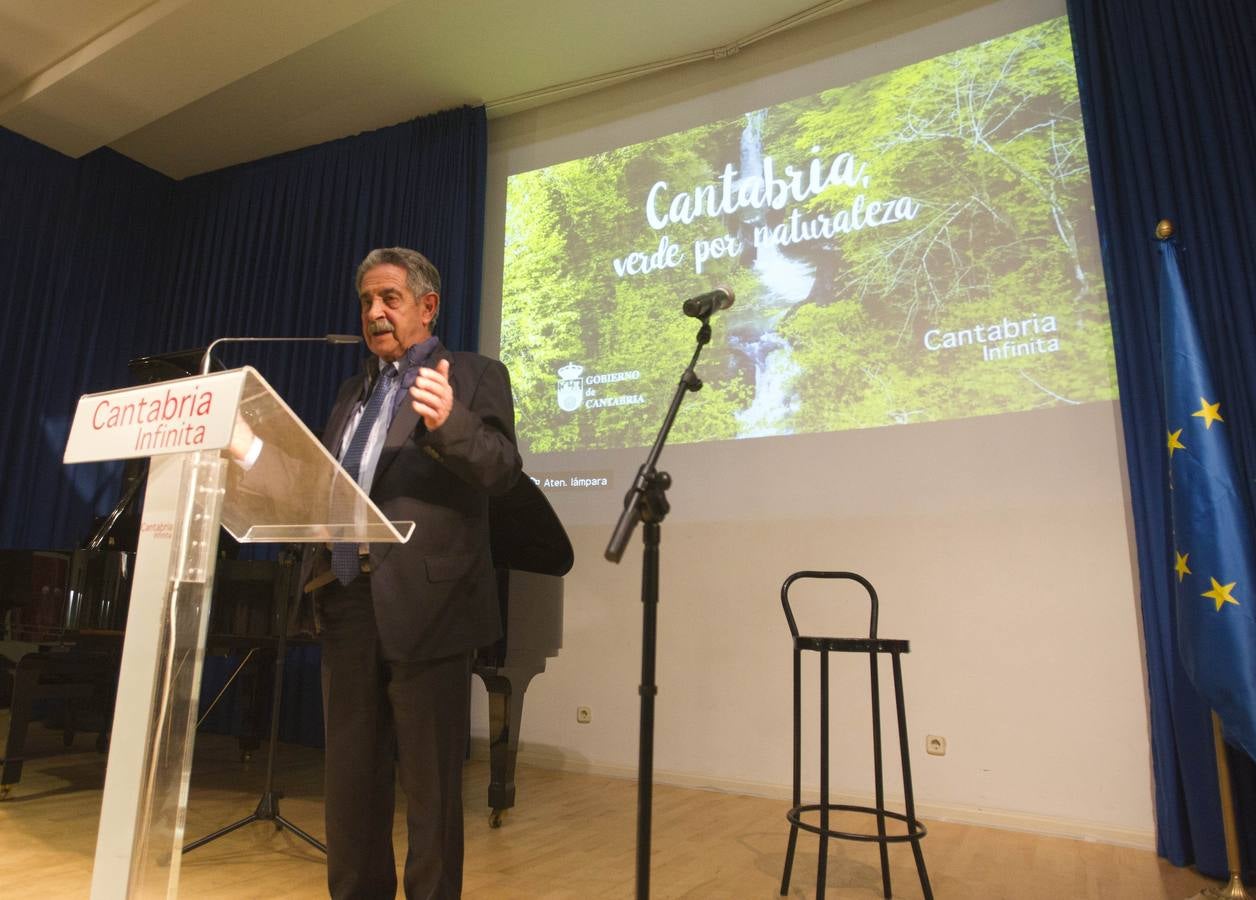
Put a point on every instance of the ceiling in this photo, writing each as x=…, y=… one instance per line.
x=188, y=86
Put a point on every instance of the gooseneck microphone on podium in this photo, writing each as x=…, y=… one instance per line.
x=703, y=305
x=206, y=360
x=267, y=809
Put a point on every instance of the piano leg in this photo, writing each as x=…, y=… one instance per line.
x=506, y=688
x=25, y=678
x=29, y=685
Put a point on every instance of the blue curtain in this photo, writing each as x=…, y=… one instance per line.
x=1169, y=97
x=76, y=253
x=270, y=247
x=102, y=260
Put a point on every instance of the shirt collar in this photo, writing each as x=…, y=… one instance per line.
x=414, y=356
x=417, y=354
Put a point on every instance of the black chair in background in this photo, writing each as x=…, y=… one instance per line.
x=874, y=647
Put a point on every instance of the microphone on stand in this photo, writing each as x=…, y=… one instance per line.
x=206, y=360
x=703, y=305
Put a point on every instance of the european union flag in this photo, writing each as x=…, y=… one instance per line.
x=1212, y=532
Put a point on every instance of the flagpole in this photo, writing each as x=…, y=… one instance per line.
x=1234, y=890
x=1202, y=483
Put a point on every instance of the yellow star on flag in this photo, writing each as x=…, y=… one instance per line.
x=1220, y=593
x=1209, y=412
x=1180, y=566
x=1174, y=443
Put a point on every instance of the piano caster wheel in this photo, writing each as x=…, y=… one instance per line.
x=495, y=817
x=6, y=788
x=246, y=756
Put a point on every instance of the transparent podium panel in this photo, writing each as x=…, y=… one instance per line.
x=288, y=489
x=180, y=652
x=294, y=491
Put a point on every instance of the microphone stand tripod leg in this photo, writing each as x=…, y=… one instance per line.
x=268, y=806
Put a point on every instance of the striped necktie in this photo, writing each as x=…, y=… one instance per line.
x=344, y=557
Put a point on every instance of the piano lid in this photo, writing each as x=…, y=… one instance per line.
x=525, y=531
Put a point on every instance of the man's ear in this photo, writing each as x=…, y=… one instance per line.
x=431, y=305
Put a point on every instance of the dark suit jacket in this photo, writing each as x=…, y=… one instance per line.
x=436, y=594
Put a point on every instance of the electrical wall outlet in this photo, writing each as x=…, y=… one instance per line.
x=935, y=745
x=584, y=715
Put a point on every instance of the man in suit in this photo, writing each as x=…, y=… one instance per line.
x=400, y=623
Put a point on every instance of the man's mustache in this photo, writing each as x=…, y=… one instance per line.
x=379, y=326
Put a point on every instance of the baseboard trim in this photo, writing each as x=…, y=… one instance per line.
x=1009, y=820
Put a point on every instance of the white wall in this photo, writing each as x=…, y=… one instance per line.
x=1001, y=547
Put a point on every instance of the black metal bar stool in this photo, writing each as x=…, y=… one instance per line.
x=874, y=647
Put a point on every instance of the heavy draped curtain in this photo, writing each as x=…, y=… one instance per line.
x=1169, y=97
x=102, y=260
x=78, y=241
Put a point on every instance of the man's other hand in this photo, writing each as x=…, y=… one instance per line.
x=431, y=395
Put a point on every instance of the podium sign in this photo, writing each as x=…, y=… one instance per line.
x=295, y=492
x=189, y=414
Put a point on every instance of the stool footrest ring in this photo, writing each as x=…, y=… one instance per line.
x=915, y=829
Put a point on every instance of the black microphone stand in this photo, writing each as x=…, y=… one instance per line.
x=646, y=502
x=268, y=806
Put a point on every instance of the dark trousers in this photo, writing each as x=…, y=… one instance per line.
x=379, y=712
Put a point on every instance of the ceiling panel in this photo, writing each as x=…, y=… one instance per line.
x=187, y=86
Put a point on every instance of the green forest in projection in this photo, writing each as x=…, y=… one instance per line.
x=914, y=247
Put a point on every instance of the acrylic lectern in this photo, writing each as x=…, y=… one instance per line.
x=287, y=489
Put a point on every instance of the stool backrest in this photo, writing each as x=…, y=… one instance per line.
x=849, y=576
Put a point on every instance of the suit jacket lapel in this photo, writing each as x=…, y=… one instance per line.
x=402, y=425
x=406, y=419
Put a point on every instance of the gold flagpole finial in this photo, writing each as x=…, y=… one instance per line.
x=1164, y=229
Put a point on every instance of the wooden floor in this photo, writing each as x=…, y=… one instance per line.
x=571, y=836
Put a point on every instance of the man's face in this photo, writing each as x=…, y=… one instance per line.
x=393, y=319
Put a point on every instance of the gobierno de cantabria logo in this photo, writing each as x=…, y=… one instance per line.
x=570, y=387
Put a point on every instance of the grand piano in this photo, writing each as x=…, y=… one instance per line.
x=63, y=612
x=531, y=553
x=62, y=622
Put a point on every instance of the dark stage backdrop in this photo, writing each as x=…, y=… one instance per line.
x=270, y=247
x=79, y=241
x=103, y=260
x=1169, y=95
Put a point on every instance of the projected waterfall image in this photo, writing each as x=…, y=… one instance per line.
x=914, y=247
